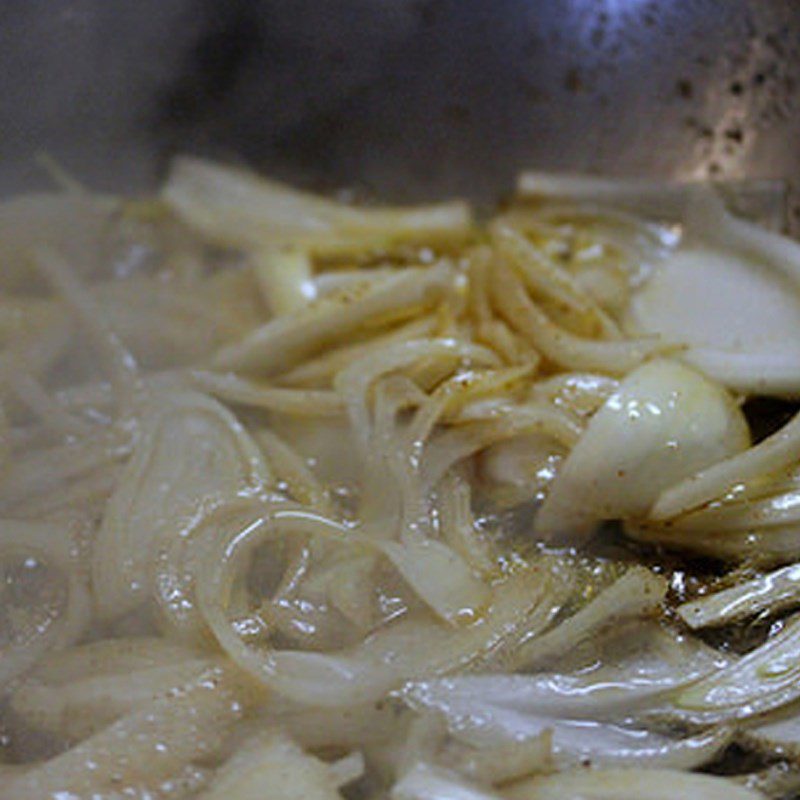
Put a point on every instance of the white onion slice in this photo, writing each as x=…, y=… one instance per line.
x=664, y=422
x=237, y=209
x=740, y=320
x=630, y=784
x=777, y=736
x=272, y=765
x=637, y=593
x=429, y=782
x=489, y=710
x=765, y=679
x=731, y=295
x=624, y=672
x=192, y=453
x=774, y=591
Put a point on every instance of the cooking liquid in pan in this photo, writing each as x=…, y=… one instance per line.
x=393, y=502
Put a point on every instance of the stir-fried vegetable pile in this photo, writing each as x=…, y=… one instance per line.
x=305, y=500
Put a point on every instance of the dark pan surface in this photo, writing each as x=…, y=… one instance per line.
x=408, y=98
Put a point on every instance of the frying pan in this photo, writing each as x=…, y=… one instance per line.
x=406, y=99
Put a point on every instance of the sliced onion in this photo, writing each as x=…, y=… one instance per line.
x=354, y=381
x=776, y=780
x=148, y=746
x=624, y=674
x=777, y=735
x=284, y=341
x=429, y=782
x=764, y=679
x=347, y=726
x=319, y=371
x=639, y=592
x=774, y=592
x=664, y=422
x=523, y=603
x=504, y=762
x=440, y=577
x=761, y=199
x=559, y=345
x=73, y=706
x=630, y=784
x=54, y=545
x=234, y=208
x=590, y=710
x=741, y=323
x=298, y=402
x=191, y=455
x=733, y=298
x=771, y=455
x=764, y=548
x=271, y=760
x=490, y=710
x=285, y=277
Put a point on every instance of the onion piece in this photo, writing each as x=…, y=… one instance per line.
x=760, y=199
x=639, y=592
x=284, y=341
x=410, y=649
x=37, y=474
x=119, y=362
x=522, y=468
x=440, y=577
x=603, y=694
x=319, y=371
x=53, y=544
x=347, y=769
x=458, y=526
x=429, y=782
x=629, y=784
x=741, y=323
x=776, y=736
x=167, y=324
x=298, y=402
x=353, y=382
x=764, y=679
x=350, y=726
x=446, y=448
x=522, y=604
x=292, y=471
x=771, y=455
x=559, y=345
x=779, y=780
x=237, y=209
x=192, y=454
x=591, y=711
x=625, y=673
x=286, y=279
x=271, y=760
x=504, y=762
x=708, y=219
x=148, y=746
x=664, y=422
x=580, y=392
x=545, y=278
x=109, y=656
x=765, y=548
x=774, y=592
x=739, y=512
x=730, y=294
x=74, y=694
x=491, y=710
